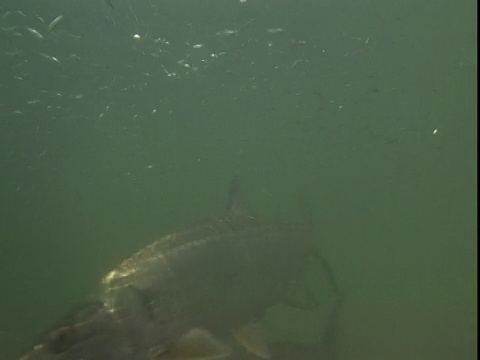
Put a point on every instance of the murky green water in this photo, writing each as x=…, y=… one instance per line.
x=128, y=118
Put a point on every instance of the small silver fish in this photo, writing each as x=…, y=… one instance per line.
x=35, y=33
x=54, y=23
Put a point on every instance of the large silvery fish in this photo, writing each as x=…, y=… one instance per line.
x=180, y=297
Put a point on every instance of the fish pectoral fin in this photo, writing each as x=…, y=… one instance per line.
x=250, y=335
x=198, y=344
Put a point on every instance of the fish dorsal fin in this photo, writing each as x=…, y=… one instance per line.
x=198, y=344
x=250, y=335
x=235, y=202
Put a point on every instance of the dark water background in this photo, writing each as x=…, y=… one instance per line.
x=367, y=108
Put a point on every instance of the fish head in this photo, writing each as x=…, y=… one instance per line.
x=87, y=332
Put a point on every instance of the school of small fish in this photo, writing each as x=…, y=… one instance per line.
x=61, y=68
